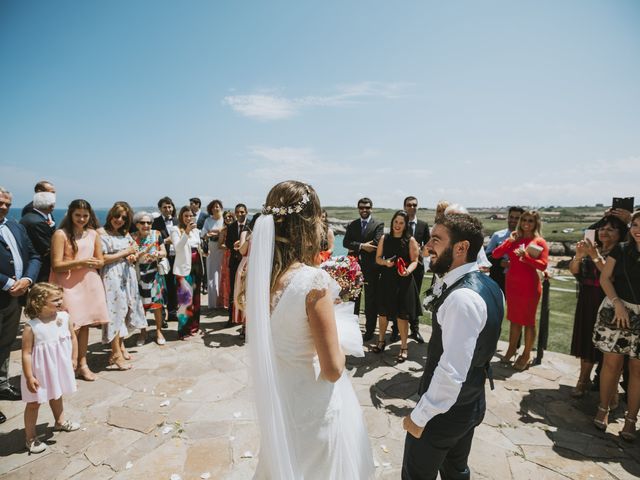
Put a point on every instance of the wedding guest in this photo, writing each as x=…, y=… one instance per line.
x=466, y=318
x=499, y=266
x=124, y=304
x=361, y=240
x=586, y=266
x=41, y=186
x=163, y=223
x=311, y=424
x=440, y=209
x=49, y=355
x=187, y=269
x=194, y=204
x=232, y=241
x=19, y=267
x=40, y=228
x=76, y=255
x=151, y=251
x=328, y=239
x=420, y=231
x=398, y=297
x=528, y=253
x=225, y=286
x=617, y=330
x=210, y=232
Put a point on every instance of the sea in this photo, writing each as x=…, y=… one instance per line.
x=101, y=213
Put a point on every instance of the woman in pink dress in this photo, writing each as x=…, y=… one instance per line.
x=225, y=282
x=76, y=255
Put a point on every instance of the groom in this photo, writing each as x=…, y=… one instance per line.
x=466, y=318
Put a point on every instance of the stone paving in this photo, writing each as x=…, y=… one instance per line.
x=185, y=412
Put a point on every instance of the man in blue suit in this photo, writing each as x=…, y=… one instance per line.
x=19, y=267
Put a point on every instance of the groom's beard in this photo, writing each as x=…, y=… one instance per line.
x=442, y=263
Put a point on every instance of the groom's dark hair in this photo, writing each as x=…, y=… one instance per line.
x=365, y=200
x=462, y=226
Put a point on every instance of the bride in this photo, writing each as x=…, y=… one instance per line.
x=311, y=424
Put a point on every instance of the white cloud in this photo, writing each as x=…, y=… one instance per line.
x=269, y=106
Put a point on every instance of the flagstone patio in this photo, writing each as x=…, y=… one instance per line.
x=185, y=412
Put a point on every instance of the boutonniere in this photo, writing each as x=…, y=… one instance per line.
x=433, y=293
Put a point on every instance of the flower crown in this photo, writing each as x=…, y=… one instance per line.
x=288, y=209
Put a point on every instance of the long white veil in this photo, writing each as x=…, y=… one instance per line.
x=277, y=455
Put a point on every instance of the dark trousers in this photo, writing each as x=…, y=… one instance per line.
x=444, y=445
x=171, y=292
x=9, y=323
x=370, y=299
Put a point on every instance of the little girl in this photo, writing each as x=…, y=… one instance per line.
x=49, y=357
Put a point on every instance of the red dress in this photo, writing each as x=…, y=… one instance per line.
x=522, y=285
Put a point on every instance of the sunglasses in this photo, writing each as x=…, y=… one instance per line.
x=123, y=217
x=364, y=208
x=412, y=205
x=144, y=223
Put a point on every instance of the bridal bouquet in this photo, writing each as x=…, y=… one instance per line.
x=346, y=271
x=348, y=276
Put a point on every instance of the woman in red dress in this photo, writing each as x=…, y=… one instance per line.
x=528, y=254
x=225, y=282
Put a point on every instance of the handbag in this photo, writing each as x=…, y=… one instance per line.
x=401, y=266
x=163, y=266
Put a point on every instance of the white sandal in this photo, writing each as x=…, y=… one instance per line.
x=35, y=446
x=67, y=426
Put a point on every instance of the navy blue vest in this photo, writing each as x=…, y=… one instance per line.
x=473, y=386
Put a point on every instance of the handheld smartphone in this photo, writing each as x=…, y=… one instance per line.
x=625, y=203
x=590, y=234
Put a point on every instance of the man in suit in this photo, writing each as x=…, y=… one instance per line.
x=41, y=186
x=162, y=223
x=40, y=229
x=19, y=266
x=361, y=239
x=231, y=242
x=420, y=231
x=198, y=215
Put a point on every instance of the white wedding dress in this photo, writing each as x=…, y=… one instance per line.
x=322, y=421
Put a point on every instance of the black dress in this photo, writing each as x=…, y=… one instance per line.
x=398, y=296
x=590, y=296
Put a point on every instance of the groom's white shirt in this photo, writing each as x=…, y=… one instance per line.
x=462, y=316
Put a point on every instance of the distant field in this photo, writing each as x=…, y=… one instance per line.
x=554, y=220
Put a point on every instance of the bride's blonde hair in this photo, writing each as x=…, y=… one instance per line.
x=297, y=228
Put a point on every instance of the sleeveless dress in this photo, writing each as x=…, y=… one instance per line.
x=324, y=419
x=83, y=292
x=590, y=296
x=398, y=295
x=151, y=284
x=51, y=361
x=121, y=288
x=213, y=263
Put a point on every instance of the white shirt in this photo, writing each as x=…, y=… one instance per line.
x=462, y=316
x=18, y=266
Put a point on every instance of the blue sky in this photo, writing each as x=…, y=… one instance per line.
x=479, y=102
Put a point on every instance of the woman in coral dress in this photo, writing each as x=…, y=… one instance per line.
x=76, y=256
x=528, y=254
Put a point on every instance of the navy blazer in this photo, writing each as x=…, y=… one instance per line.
x=30, y=259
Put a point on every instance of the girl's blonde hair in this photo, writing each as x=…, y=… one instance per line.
x=537, y=231
x=38, y=296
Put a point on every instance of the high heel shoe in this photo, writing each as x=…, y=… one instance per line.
x=379, y=348
x=629, y=436
x=581, y=389
x=521, y=365
x=119, y=362
x=403, y=355
x=85, y=374
x=601, y=424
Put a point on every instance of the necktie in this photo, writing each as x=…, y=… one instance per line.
x=363, y=227
x=413, y=227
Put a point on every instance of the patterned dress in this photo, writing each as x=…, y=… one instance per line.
x=150, y=283
x=121, y=287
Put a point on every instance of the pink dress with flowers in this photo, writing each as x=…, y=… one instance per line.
x=51, y=361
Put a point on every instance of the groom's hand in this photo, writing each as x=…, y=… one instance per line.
x=411, y=427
